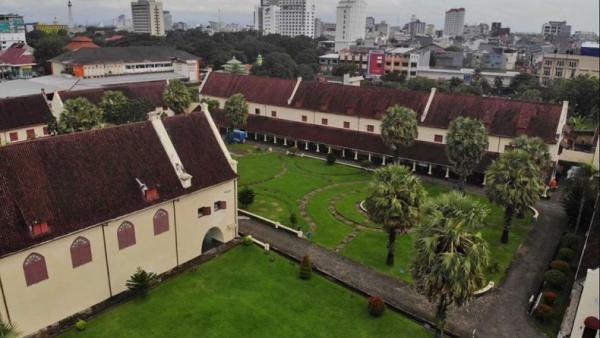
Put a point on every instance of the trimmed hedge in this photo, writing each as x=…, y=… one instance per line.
x=376, y=306
x=570, y=241
x=562, y=266
x=555, y=278
x=543, y=312
x=247, y=240
x=566, y=254
x=549, y=297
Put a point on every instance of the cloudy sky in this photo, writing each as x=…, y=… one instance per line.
x=520, y=15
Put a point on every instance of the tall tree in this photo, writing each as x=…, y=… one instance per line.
x=467, y=143
x=395, y=201
x=514, y=183
x=276, y=64
x=112, y=103
x=531, y=94
x=236, y=111
x=449, y=261
x=79, y=114
x=399, y=128
x=177, y=96
x=579, y=194
x=536, y=148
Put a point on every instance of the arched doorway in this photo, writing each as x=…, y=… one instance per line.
x=212, y=239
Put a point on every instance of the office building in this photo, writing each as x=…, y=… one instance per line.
x=168, y=20
x=455, y=22
x=147, y=17
x=11, y=23
x=416, y=27
x=351, y=22
x=556, y=28
x=566, y=66
x=286, y=17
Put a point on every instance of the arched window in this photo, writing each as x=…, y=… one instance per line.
x=81, y=252
x=161, y=222
x=126, y=235
x=35, y=270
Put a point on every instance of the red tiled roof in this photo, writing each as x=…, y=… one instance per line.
x=369, y=102
x=149, y=91
x=17, y=55
x=258, y=89
x=82, y=179
x=81, y=42
x=368, y=142
x=502, y=117
x=23, y=111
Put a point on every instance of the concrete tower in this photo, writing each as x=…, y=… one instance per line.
x=70, y=5
x=351, y=20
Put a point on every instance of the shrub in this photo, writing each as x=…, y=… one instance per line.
x=366, y=164
x=293, y=220
x=493, y=267
x=246, y=197
x=555, y=278
x=247, y=240
x=543, y=312
x=376, y=306
x=570, y=241
x=566, y=254
x=140, y=282
x=294, y=150
x=561, y=266
x=305, y=268
x=331, y=158
x=81, y=325
x=549, y=297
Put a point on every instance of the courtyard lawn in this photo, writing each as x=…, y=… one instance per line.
x=248, y=293
x=329, y=196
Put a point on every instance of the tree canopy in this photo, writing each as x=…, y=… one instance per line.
x=79, y=114
x=399, y=128
x=177, y=96
x=236, y=111
x=466, y=145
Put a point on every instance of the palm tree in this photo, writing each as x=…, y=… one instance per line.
x=580, y=190
x=7, y=330
x=399, y=128
x=514, y=183
x=395, y=201
x=536, y=148
x=467, y=143
x=449, y=261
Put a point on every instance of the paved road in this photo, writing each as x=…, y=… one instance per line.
x=500, y=313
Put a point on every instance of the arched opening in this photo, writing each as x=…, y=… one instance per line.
x=212, y=239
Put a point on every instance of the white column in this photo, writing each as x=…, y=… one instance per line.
x=369, y=157
x=306, y=145
x=356, y=155
x=329, y=149
x=414, y=168
x=274, y=139
x=255, y=136
x=265, y=138
x=484, y=180
x=383, y=162
x=318, y=148
x=429, y=172
x=447, y=172
x=296, y=143
x=285, y=141
x=343, y=152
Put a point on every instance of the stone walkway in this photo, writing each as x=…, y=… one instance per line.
x=500, y=313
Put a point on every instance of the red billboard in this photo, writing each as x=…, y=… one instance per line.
x=376, y=65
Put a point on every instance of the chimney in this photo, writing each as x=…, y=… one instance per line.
x=184, y=178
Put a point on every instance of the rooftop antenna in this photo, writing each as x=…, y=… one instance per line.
x=70, y=5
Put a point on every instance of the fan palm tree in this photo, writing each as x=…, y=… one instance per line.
x=7, y=330
x=514, y=183
x=536, y=148
x=580, y=190
x=449, y=261
x=395, y=201
x=467, y=143
x=399, y=128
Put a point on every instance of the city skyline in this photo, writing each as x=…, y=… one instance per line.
x=512, y=13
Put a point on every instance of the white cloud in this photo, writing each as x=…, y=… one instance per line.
x=520, y=15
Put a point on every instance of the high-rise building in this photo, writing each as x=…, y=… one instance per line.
x=416, y=27
x=455, y=22
x=286, y=17
x=556, y=28
x=147, y=17
x=351, y=22
x=11, y=23
x=168, y=20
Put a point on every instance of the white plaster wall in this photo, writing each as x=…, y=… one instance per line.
x=22, y=133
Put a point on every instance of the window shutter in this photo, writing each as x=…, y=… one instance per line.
x=126, y=235
x=35, y=269
x=81, y=252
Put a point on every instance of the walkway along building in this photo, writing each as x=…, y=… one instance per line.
x=80, y=212
x=324, y=116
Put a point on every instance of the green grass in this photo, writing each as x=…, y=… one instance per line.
x=248, y=293
x=278, y=197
